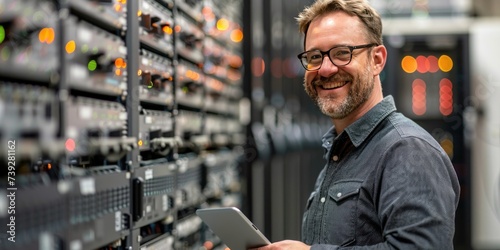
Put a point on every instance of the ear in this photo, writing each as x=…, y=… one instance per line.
x=379, y=57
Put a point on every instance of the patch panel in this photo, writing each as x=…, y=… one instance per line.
x=189, y=38
x=96, y=59
x=190, y=89
x=156, y=76
x=110, y=14
x=98, y=203
x=156, y=131
x=157, y=200
x=29, y=48
x=215, y=58
x=192, y=8
x=97, y=127
x=189, y=179
x=156, y=233
x=215, y=98
x=189, y=124
x=222, y=175
x=30, y=114
x=165, y=241
x=39, y=223
x=156, y=27
x=189, y=232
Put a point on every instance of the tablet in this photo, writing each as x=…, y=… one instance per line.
x=234, y=229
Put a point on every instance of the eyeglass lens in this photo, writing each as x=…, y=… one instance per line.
x=339, y=56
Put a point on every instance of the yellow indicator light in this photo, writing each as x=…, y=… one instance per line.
x=70, y=47
x=192, y=75
x=237, y=35
x=118, y=7
x=222, y=24
x=52, y=36
x=46, y=35
x=140, y=143
x=445, y=63
x=139, y=73
x=409, y=64
x=447, y=146
x=167, y=30
x=119, y=62
x=43, y=35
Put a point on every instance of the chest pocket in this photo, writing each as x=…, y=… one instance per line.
x=340, y=218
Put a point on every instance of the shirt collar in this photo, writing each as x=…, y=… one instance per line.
x=361, y=128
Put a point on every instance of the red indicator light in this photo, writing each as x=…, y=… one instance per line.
x=419, y=98
x=258, y=66
x=422, y=64
x=445, y=96
x=70, y=145
x=433, y=64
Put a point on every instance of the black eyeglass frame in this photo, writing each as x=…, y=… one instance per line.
x=323, y=53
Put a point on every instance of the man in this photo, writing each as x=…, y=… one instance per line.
x=387, y=183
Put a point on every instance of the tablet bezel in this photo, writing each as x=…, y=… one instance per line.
x=234, y=229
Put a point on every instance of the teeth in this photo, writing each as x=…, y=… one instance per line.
x=333, y=85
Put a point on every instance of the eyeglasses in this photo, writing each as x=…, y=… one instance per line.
x=339, y=56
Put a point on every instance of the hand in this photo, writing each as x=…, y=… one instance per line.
x=284, y=245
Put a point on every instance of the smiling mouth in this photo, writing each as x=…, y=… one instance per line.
x=333, y=85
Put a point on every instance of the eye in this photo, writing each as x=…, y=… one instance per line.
x=341, y=53
x=313, y=57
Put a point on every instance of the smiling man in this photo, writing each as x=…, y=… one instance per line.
x=387, y=184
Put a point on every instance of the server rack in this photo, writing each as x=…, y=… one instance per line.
x=118, y=119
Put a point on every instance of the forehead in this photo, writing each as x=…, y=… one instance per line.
x=334, y=28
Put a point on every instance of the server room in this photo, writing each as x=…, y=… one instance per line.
x=120, y=119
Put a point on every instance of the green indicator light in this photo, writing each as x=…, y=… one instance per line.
x=5, y=53
x=150, y=86
x=2, y=34
x=92, y=65
x=85, y=48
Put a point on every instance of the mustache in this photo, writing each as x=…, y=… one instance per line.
x=334, y=78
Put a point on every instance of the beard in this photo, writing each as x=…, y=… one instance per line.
x=359, y=91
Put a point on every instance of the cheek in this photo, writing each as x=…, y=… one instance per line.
x=309, y=77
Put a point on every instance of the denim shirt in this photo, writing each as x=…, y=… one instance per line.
x=387, y=184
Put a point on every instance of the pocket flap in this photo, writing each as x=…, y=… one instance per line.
x=344, y=189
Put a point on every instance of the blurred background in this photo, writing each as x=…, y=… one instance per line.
x=118, y=119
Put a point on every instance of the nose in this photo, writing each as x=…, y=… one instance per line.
x=327, y=67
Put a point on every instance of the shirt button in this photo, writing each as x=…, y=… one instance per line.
x=323, y=199
x=339, y=194
x=335, y=158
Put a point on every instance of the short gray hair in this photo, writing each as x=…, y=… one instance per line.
x=360, y=8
